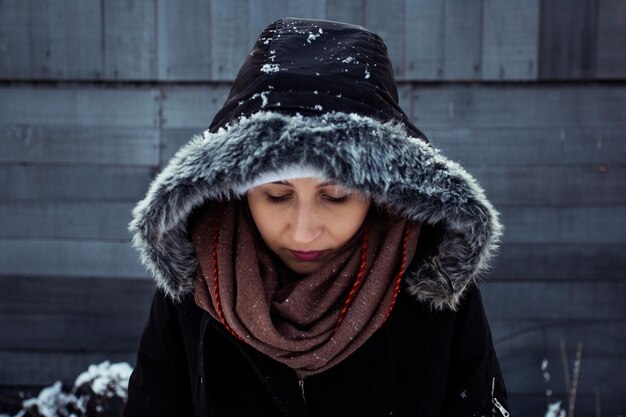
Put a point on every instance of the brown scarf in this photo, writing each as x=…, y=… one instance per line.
x=310, y=323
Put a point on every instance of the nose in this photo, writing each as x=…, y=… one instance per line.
x=306, y=224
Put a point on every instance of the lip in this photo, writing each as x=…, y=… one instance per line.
x=309, y=256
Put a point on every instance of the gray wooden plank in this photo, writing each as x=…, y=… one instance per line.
x=65, y=220
x=60, y=314
x=555, y=301
x=71, y=258
x=193, y=106
x=310, y=9
x=558, y=262
x=188, y=111
x=79, y=106
x=262, y=13
x=526, y=344
x=462, y=44
x=601, y=225
x=523, y=106
x=424, y=39
x=611, y=40
x=84, y=183
x=45, y=368
x=604, y=338
x=602, y=373
x=555, y=146
x=22, y=26
x=75, y=40
x=50, y=39
x=567, y=43
x=230, y=40
x=184, y=40
x=346, y=11
x=404, y=97
x=173, y=139
x=80, y=145
x=510, y=39
x=388, y=20
x=553, y=186
x=609, y=399
x=130, y=40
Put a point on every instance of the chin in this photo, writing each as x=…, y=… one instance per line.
x=304, y=267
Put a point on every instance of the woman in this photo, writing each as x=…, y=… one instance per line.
x=314, y=256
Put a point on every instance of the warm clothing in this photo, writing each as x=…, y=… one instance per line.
x=421, y=363
x=307, y=322
x=321, y=94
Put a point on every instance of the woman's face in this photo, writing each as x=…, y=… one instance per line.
x=306, y=222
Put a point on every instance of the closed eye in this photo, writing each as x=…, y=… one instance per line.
x=335, y=200
x=277, y=198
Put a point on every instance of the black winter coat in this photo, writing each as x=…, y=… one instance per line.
x=420, y=363
x=321, y=94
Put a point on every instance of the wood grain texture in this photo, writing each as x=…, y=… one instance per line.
x=609, y=399
x=184, y=40
x=519, y=106
x=568, y=40
x=69, y=182
x=69, y=258
x=311, y=9
x=555, y=301
x=75, y=39
x=188, y=111
x=130, y=40
x=192, y=106
x=387, y=19
x=510, y=39
x=45, y=368
x=611, y=40
x=80, y=145
x=568, y=225
x=462, y=40
x=20, y=26
x=346, y=11
x=173, y=139
x=558, y=262
x=528, y=186
x=60, y=314
x=555, y=146
x=424, y=39
x=79, y=106
x=230, y=40
x=51, y=39
x=523, y=345
x=262, y=13
x=97, y=220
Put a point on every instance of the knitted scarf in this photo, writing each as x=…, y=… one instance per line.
x=310, y=323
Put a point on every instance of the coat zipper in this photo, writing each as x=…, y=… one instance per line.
x=495, y=401
x=301, y=385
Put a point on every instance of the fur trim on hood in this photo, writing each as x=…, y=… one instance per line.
x=381, y=159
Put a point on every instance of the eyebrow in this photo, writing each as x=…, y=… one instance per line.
x=324, y=184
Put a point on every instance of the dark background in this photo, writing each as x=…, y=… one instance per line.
x=96, y=96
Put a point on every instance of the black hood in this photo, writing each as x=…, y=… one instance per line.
x=314, y=67
x=321, y=94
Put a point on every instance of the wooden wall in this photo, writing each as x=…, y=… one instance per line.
x=529, y=96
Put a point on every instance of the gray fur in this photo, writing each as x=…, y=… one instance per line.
x=401, y=172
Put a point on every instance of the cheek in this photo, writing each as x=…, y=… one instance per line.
x=267, y=221
x=348, y=221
